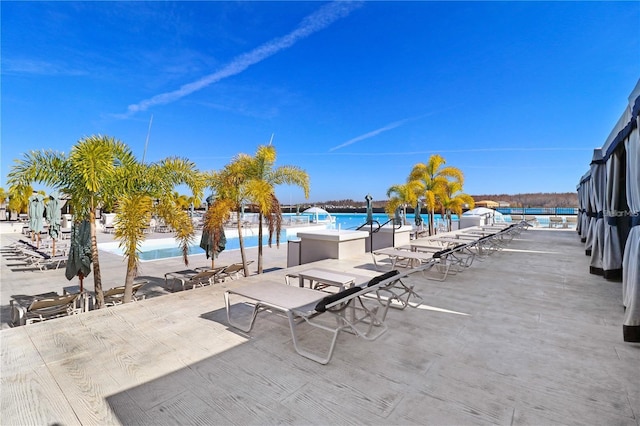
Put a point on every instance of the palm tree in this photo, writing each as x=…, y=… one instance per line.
x=87, y=175
x=19, y=198
x=433, y=177
x=260, y=189
x=228, y=185
x=139, y=186
x=402, y=195
x=452, y=201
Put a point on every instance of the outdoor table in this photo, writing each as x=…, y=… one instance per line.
x=324, y=278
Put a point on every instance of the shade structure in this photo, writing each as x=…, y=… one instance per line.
x=610, y=200
x=79, y=262
x=316, y=212
x=487, y=203
x=36, y=212
x=369, y=200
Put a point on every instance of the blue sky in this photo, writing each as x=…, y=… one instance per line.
x=515, y=94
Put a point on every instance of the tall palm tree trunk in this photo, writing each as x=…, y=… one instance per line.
x=431, y=222
x=241, y=241
x=260, y=244
x=128, y=283
x=97, y=281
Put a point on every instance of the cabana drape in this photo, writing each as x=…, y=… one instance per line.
x=592, y=214
x=583, y=201
x=631, y=257
x=614, y=200
x=598, y=185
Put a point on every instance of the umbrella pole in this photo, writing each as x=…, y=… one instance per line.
x=81, y=276
x=53, y=248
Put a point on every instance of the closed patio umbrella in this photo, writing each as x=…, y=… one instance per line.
x=368, y=199
x=213, y=243
x=397, y=218
x=53, y=217
x=418, y=218
x=79, y=262
x=36, y=214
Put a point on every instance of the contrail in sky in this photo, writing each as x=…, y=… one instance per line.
x=386, y=128
x=311, y=24
x=371, y=134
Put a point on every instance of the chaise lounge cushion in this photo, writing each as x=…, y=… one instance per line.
x=379, y=278
x=322, y=304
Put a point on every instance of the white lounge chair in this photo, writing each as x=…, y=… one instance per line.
x=348, y=309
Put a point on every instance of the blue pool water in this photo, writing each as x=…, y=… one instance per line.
x=167, y=247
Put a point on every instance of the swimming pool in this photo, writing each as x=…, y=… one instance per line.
x=163, y=248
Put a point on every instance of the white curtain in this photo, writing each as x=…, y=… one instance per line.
x=592, y=213
x=599, y=185
x=586, y=184
x=581, y=208
x=631, y=257
x=612, y=255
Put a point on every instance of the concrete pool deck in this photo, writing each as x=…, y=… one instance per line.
x=526, y=336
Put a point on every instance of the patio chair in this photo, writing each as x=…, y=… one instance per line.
x=43, y=309
x=115, y=296
x=232, y=271
x=556, y=222
x=192, y=278
x=412, y=258
x=395, y=290
x=53, y=262
x=342, y=311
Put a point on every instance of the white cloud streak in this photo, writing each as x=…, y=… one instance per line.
x=371, y=134
x=311, y=24
x=387, y=128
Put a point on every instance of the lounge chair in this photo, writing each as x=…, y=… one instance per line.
x=314, y=307
x=412, y=258
x=115, y=296
x=556, y=222
x=193, y=278
x=53, y=262
x=43, y=309
x=232, y=271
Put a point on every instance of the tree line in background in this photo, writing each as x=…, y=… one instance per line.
x=539, y=199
